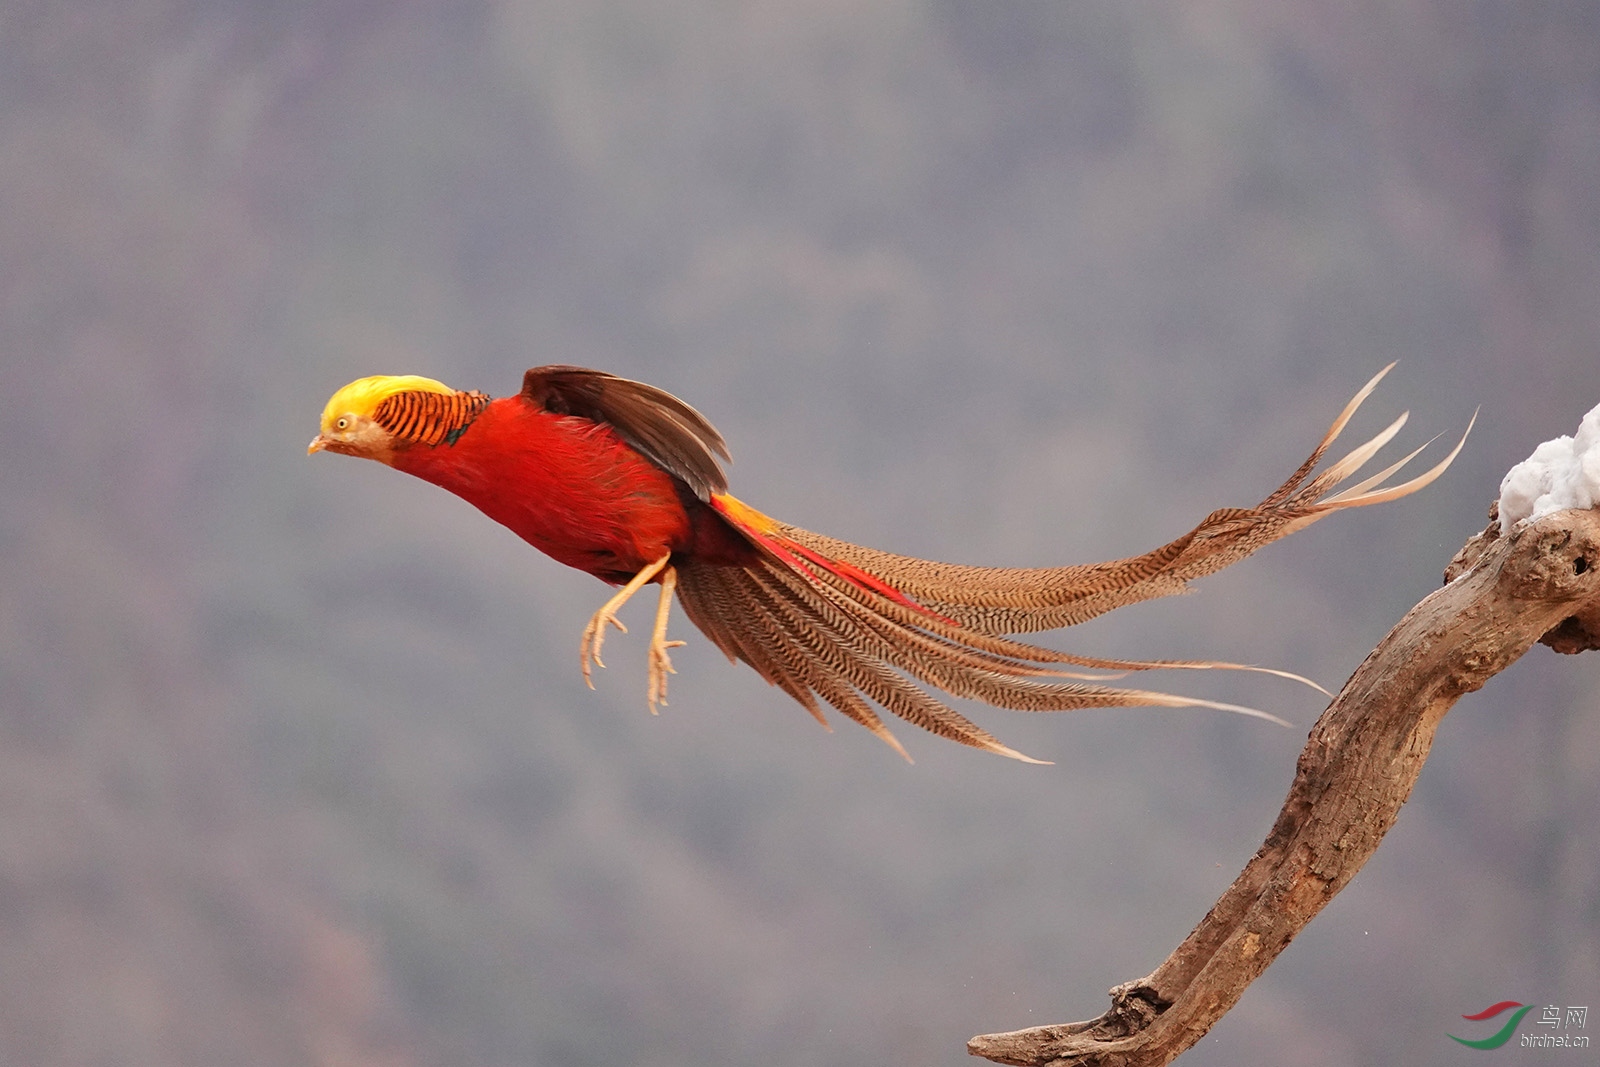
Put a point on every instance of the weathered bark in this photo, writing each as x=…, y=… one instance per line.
x=1504, y=593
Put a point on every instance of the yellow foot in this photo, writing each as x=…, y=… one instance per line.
x=594, y=634
x=660, y=667
x=660, y=662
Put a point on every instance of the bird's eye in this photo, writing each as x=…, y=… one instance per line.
x=343, y=423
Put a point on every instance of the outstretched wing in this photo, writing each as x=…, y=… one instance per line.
x=663, y=428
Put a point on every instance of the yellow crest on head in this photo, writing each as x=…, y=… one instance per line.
x=362, y=397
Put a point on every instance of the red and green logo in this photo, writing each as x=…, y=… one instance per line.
x=1501, y=1036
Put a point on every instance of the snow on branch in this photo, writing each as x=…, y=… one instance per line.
x=1564, y=473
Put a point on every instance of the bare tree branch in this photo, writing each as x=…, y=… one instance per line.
x=1504, y=593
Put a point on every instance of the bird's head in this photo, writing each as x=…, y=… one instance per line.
x=351, y=423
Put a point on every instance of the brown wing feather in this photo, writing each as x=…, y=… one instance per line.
x=664, y=429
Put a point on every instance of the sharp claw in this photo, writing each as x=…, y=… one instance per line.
x=594, y=636
x=660, y=667
x=589, y=649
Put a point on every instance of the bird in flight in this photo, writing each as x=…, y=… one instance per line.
x=625, y=481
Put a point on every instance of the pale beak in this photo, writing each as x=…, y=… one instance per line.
x=318, y=443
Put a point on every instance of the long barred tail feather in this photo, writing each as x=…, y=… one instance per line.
x=823, y=618
x=1003, y=600
x=814, y=641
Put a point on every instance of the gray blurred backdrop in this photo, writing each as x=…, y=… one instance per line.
x=296, y=765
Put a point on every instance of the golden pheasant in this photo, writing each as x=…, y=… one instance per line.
x=623, y=480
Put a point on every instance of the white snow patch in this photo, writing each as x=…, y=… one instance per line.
x=1564, y=473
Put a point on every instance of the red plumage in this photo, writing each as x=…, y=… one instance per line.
x=570, y=487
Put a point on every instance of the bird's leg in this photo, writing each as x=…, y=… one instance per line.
x=594, y=634
x=660, y=662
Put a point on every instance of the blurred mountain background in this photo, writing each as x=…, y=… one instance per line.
x=296, y=765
